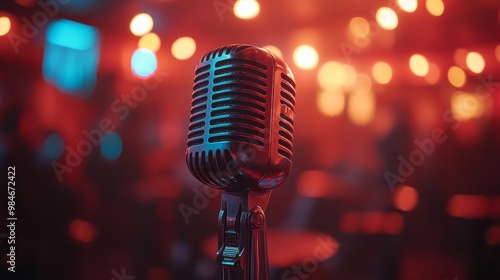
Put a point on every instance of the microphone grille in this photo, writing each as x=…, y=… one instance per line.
x=287, y=100
x=230, y=94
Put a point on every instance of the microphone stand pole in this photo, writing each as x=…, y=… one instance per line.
x=242, y=253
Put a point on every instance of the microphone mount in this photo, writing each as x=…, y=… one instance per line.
x=242, y=253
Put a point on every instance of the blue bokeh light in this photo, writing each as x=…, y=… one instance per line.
x=71, y=56
x=54, y=146
x=144, y=62
x=111, y=146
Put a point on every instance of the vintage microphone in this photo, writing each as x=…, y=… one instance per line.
x=240, y=141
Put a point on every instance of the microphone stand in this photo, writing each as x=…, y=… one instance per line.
x=242, y=253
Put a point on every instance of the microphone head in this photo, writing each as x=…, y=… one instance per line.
x=241, y=125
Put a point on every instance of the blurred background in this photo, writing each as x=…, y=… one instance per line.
x=396, y=169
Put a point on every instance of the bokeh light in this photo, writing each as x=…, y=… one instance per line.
x=382, y=72
x=331, y=102
x=467, y=206
x=359, y=26
x=183, y=48
x=408, y=5
x=351, y=76
x=275, y=50
x=433, y=74
x=332, y=75
x=305, y=57
x=361, y=107
x=315, y=183
x=54, y=146
x=141, y=24
x=246, y=9
x=362, y=83
x=144, y=63
x=475, y=62
x=465, y=105
x=456, y=76
x=4, y=25
x=111, y=146
x=150, y=41
x=82, y=231
x=405, y=198
x=435, y=7
x=387, y=18
x=419, y=65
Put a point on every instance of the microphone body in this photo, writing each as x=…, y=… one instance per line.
x=241, y=126
x=240, y=141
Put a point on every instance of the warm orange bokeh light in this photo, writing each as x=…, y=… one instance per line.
x=82, y=230
x=405, y=198
x=435, y=7
x=4, y=25
x=331, y=103
x=466, y=106
x=305, y=57
x=332, y=75
x=419, y=65
x=150, y=41
x=475, y=62
x=433, y=75
x=382, y=72
x=246, y=9
x=456, y=76
x=408, y=5
x=361, y=107
x=468, y=206
x=183, y=48
x=386, y=18
x=359, y=27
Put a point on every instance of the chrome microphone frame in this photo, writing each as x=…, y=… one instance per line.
x=242, y=253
